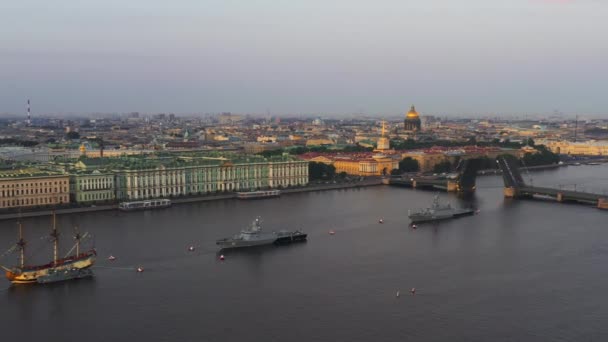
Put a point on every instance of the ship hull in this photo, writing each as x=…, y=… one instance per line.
x=415, y=218
x=30, y=275
x=230, y=243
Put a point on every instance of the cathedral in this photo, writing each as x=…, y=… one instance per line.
x=412, y=121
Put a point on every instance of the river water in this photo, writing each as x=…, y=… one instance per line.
x=518, y=271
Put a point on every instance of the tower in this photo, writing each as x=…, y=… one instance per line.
x=412, y=120
x=29, y=118
x=383, y=142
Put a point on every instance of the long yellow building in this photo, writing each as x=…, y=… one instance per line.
x=31, y=187
x=584, y=148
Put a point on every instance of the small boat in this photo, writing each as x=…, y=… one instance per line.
x=111, y=258
x=72, y=266
x=145, y=205
x=258, y=194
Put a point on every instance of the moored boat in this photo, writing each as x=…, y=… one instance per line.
x=70, y=267
x=258, y=194
x=145, y=205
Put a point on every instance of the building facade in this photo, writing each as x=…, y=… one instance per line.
x=210, y=177
x=92, y=187
x=24, y=189
x=586, y=148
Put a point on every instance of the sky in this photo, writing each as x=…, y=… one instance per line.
x=375, y=57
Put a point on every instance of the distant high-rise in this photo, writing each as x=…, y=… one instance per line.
x=412, y=120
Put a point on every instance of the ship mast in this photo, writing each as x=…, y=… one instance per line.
x=55, y=237
x=77, y=237
x=21, y=245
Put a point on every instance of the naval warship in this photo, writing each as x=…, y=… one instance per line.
x=437, y=212
x=253, y=236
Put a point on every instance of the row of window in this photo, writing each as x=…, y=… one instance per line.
x=19, y=192
x=36, y=184
x=33, y=201
x=97, y=196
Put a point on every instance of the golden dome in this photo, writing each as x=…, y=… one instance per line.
x=412, y=114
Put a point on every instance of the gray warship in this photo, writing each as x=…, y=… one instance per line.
x=437, y=212
x=253, y=236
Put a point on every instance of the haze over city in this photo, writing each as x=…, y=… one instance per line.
x=327, y=57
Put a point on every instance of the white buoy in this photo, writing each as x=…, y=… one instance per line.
x=381, y=221
x=331, y=232
x=191, y=249
x=140, y=269
x=398, y=293
x=413, y=291
x=111, y=258
x=222, y=257
x=414, y=226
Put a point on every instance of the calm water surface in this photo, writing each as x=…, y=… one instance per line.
x=518, y=271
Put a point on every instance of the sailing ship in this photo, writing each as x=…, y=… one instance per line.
x=69, y=267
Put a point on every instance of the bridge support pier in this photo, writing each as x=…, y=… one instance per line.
x=510, y=192
x=602, y=203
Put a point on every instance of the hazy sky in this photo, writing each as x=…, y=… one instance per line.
x=304, y=56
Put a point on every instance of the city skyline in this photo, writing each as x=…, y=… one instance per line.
x=532, y=56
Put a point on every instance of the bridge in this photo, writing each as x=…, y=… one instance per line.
x=515, y=187
x=462, y=181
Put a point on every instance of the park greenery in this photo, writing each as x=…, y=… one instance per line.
x=318, y=171
x=17, y=142
x=305, y=149
x=408, y=164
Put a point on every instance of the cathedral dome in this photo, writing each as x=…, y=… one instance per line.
x=412, y=114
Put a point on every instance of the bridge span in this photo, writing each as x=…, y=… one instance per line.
x=515, y=187
x=462, y=181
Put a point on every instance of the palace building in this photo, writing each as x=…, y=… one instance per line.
x=412, y=121
x=33, y=187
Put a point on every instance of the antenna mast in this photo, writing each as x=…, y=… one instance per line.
x=575, y=128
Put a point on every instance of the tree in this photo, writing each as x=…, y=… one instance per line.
x=342, y=175
x=444, y=166
x=72, y=135
x=542, y=157
x=408, y=164
x=320, y=171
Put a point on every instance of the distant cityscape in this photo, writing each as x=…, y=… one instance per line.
x=48, y=161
